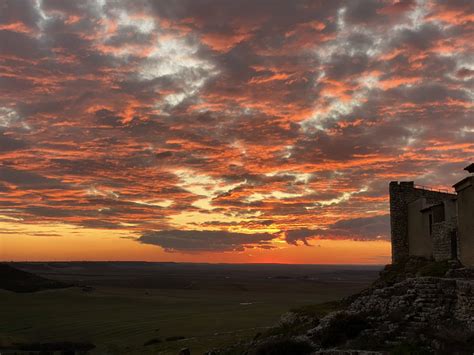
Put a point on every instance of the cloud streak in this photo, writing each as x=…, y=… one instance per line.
x=206, y=241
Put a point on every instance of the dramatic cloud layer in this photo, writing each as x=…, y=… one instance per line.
x=196, y=241
x=266, y=118
x=365, y=228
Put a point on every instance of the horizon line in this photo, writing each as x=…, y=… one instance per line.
x=178, y=262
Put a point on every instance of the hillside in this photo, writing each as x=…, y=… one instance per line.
x=421, y=308
x=12, y=279
x=160, y=308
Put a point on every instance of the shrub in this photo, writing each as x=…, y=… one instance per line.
x=152, y=341
x=284, y=347
x=409, y=349
x=287, y=330
x=455, y=338
x=318, y=310
x=437, y=269
x=343, y=327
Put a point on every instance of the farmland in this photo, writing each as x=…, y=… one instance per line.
x=141, y=308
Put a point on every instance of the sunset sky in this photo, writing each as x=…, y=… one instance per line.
x=225, y=131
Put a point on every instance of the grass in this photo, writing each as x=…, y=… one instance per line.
x=412, y=267
x=342, y=328
x=318, y=310
x=284, y=347
x=310, y=315
x=409, y=349
x=135, y=309
x=434, y=268
x=16, y=280
x=116, y=319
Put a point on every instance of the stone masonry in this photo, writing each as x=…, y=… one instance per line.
x=396, y=314
x=422, y=302
x=443, y=235
x=402, y=194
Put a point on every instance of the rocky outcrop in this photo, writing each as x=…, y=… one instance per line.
x=421, y=301
x=401, y=313
x=432, y=312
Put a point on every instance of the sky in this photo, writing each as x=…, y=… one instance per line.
x=225, y=131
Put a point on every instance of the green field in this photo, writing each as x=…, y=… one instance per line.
x=208, y=307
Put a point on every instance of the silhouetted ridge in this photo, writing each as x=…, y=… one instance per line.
x=16, y=280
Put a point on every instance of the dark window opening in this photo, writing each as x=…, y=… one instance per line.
x=438, y=213
x=431, y=223
x=454, y=245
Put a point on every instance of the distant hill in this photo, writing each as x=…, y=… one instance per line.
x=16, y=280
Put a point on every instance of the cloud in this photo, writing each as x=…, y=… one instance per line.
x=8, y=117
x=27, y=179
x=284, y=115
x=363, y=228
x=9, y=144
x=206, y=241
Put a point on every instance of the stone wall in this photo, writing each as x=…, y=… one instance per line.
x=422, y=302
x=464, y=303
x=465, y=202
x=443, y=234
x=420, y=242
x=434, y=313
x=401, y=194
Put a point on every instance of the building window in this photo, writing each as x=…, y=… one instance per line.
x=431, y=223
x=454, y=245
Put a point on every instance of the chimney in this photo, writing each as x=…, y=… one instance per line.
x=470, y=168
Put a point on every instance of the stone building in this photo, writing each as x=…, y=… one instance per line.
x=465, y=217
x=431, y=223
